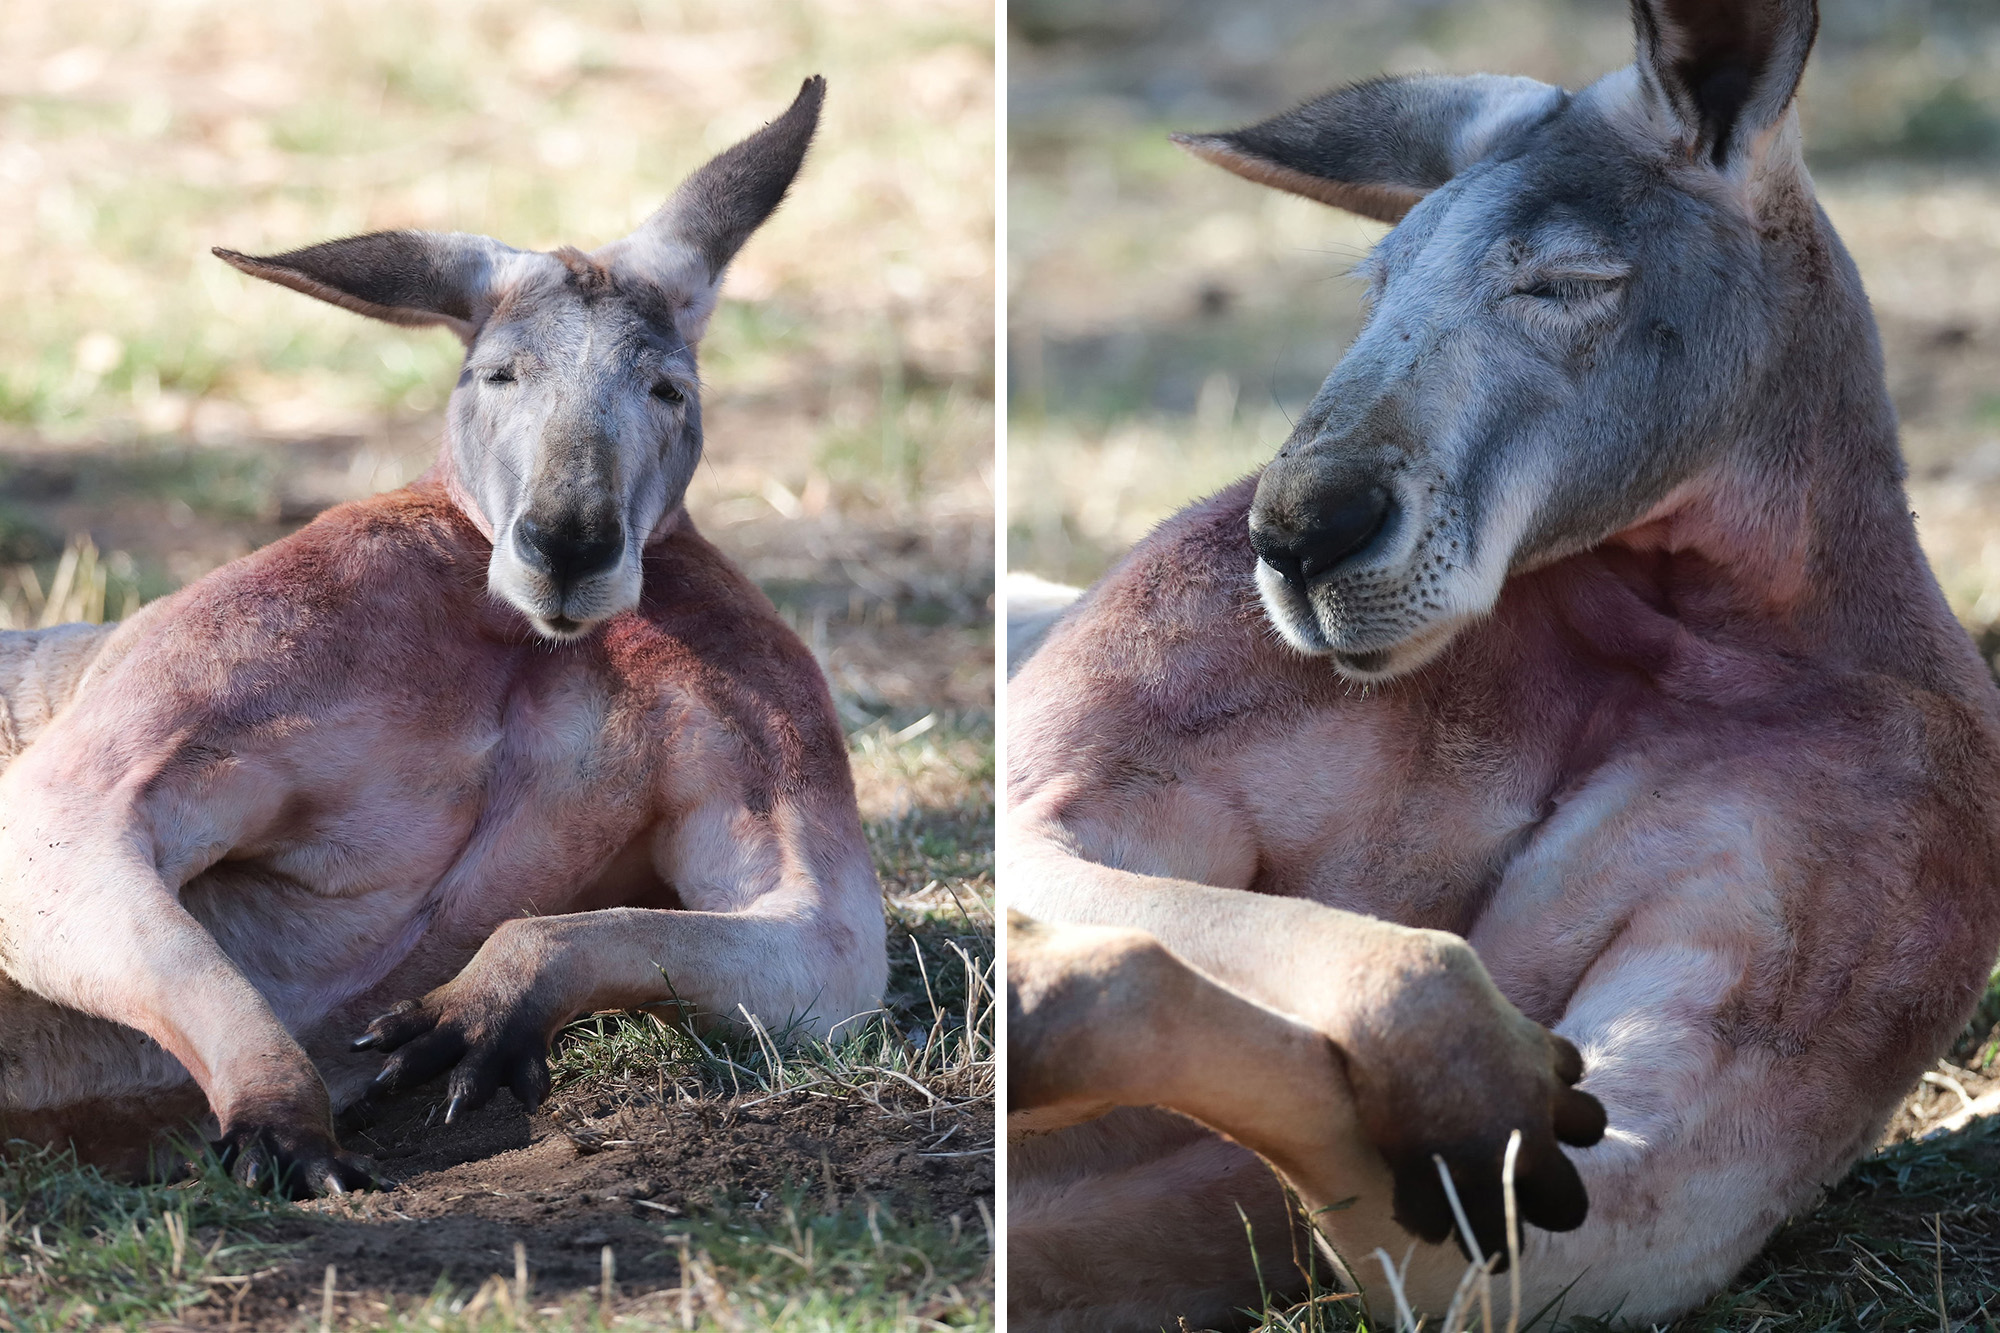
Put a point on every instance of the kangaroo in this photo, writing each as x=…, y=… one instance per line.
x=405, y=791
x=1563, y=735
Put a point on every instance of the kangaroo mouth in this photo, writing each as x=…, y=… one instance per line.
x=560, y=613
x=562, y=627
x=1371, y=664
x=1368, y=629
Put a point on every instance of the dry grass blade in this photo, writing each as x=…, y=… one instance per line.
x=85, y=585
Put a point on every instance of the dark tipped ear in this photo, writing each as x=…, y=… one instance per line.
x=1726, y=69
x=717, y=208
x=687, y=244
x=405, y=277
x=1376, y=148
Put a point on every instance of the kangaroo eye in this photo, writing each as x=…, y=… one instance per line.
x=668, y=392
x=1571, y=289
x=498, y=375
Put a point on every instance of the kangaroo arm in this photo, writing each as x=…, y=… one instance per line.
x=717, y=964
x=783, y=925
x=1256, y=944
x=1419, y=1057
x=1102, y=1017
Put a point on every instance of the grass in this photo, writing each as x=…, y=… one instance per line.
x=77, y=1250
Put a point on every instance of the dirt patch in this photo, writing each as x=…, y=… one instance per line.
x=565, y=1183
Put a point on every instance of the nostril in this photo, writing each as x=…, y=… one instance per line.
x=1334, y=533
x=568, y=550
x=1342, y=529
x=528, y=538
x=1275, y=549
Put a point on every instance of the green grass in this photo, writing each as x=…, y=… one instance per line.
x=77, y=1250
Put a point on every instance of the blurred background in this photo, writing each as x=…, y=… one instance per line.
x=1164, y=317
x=160, y=414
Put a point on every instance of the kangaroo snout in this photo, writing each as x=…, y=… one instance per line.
x=1311, y=518
x=569, y=547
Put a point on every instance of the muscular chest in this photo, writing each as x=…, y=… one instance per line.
x=1356, y=809
x=500, y=788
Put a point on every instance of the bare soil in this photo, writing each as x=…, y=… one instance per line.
x=575, y=1177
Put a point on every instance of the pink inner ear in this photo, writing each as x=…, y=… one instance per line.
x=1380, y=202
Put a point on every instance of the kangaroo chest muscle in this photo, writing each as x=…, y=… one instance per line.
x=510, y=803
x=1371, y=822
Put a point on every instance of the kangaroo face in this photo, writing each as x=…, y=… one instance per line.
x=575, y=425
x=1577, y=300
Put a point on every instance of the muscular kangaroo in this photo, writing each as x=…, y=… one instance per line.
x=509, y=745
x=1574, y=666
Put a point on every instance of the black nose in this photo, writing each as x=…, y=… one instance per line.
x=568, y=548
x=1326, y=535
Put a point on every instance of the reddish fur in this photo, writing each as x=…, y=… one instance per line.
x=1740, y=665
x=377, y=614
x=1881, y=748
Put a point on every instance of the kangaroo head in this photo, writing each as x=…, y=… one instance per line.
x=1570, y=318
x=575, y=425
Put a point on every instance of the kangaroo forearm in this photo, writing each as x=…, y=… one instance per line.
x=1103, y=1017
x=1239, y=938
x=775, y=967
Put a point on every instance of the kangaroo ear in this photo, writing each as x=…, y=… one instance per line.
x=685, y=247
x=1725, y=69
x=1376, y=148
x=405, y=277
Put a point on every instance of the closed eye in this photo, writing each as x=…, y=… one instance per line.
x=498, y=375
x=1571, y=289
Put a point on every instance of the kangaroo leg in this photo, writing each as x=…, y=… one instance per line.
x=124, y=1105
x=39, y=672
x=783, y=928
x=1163, y=1224
x=1139, y=1218
x=89, y=923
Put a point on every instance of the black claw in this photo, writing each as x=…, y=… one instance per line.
x=451, y=1108
x=530, y=1084
x=365, y=1041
